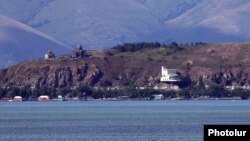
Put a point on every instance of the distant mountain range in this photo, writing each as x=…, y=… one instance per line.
x=103, y=23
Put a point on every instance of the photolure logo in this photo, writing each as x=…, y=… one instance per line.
x=227, y=132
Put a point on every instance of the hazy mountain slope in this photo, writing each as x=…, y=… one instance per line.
x=22, y=10
x=105, y=23
x=96, y=23
x=168, y=9
x=223, y=18
x=19, y=42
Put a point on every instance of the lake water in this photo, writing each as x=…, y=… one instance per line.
x=117, y=120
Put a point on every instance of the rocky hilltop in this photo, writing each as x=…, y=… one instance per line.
x=225, y=63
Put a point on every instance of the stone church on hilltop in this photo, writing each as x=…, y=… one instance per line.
x=79, y=52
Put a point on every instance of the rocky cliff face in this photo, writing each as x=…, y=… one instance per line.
x=224, y=76
x=122, y=69
x=51, y=75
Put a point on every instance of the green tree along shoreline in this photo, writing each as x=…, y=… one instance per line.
x=131, y=92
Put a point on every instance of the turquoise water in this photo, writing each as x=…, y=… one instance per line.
x=116, y=120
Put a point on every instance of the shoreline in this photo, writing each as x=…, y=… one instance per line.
x=173, y=99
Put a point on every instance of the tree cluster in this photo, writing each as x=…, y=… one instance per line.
x=132, y=47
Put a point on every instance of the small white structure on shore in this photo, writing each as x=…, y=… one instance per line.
x=17, y=98
x=158, y=96
x=169, y=75
x=43, y=98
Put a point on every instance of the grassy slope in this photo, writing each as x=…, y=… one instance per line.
x=210, y=55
